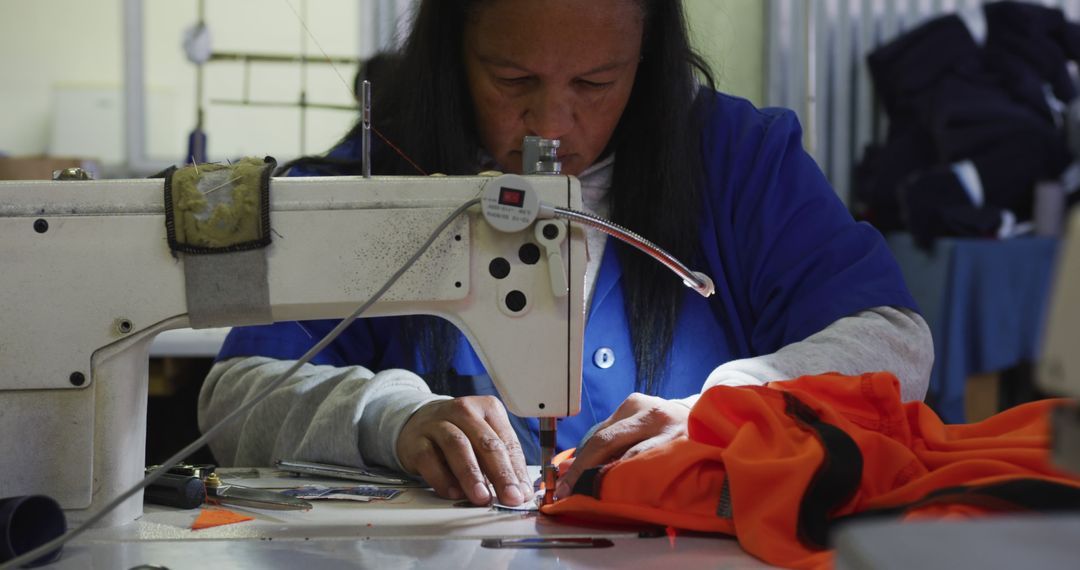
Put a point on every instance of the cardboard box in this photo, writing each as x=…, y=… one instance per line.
x=41, y=167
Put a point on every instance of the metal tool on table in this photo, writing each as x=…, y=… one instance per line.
x=187, y=486
x=219, y=492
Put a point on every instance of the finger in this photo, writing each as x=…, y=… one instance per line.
x=561, y=489
x=663, y=438
x=431, y=466
x=604, y=445
x=629, y=408
x=500, y=424
x=493, y=456
x=565, y=466
x=458, y=451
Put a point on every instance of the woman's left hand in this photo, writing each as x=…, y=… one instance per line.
x=640, y=424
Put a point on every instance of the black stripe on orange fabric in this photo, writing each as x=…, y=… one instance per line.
x=1028, y=494
x=835, y=480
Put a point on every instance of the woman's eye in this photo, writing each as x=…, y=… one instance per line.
x=594, y=84
x=520, y=80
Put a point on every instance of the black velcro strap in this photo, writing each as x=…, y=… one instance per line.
x=834, y=482
x=1029, y=494
x=589, y=483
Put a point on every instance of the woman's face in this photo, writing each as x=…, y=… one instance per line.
x=559, y=69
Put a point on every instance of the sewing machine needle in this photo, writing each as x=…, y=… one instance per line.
x=547, y=455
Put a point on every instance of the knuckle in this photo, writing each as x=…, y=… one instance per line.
x=635, y=401
x=473, y=472
x=472, y=406
x=492, y=444
x=487, y=405
x=659, y=414
x=458, y=405
x=454, y=440
x=603, y=438
x=487, y=400
x=425, y=465
x=414, y=451
x=419, y=448
x=512, y=446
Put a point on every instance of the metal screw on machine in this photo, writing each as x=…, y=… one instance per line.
x=71, y=174
x=124, y=326
x=77, y=379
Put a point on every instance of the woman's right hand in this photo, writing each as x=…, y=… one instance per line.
x=458, y=445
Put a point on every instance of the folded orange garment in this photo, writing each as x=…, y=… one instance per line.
x=780, y=466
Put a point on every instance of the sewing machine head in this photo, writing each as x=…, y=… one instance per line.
x=89, y=280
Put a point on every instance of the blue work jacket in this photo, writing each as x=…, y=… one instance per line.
x=785, y=255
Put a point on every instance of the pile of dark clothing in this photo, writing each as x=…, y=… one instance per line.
x=973, y=126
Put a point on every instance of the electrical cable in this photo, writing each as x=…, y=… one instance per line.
x=213, y=431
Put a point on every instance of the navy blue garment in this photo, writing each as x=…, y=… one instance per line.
x=950, y=100
x=785, y=255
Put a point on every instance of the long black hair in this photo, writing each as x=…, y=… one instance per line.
x=425, y=110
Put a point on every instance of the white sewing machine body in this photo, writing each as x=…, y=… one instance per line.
x=88, y=280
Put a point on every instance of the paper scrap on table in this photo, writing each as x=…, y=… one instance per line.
x=360, y=494
x=526, y=507
x=209, y=518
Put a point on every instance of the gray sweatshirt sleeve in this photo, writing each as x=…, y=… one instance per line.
x=345, y=416
x=882, y=338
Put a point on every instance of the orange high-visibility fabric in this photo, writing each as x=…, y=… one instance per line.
x=748, y=439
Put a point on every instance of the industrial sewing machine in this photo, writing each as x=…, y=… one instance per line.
x=87, y=280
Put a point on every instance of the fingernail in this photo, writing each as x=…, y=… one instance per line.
x=454, y=493
x=526, y=490
x=512, y=495
x=480, y=490
x=562, y=490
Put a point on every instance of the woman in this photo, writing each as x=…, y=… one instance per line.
x=727, y=188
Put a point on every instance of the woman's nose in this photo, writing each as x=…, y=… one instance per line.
x=550, y=114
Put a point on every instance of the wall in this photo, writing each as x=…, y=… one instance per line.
x=730, y=34
x=46, y=43
x=64, y=58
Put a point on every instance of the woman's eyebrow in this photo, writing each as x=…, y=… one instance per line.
x=498, y=61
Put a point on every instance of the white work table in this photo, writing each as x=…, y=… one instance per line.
x=414, y=530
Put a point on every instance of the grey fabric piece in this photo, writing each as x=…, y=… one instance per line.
x=227, y=289
x=317, y=415
x=882, y=338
